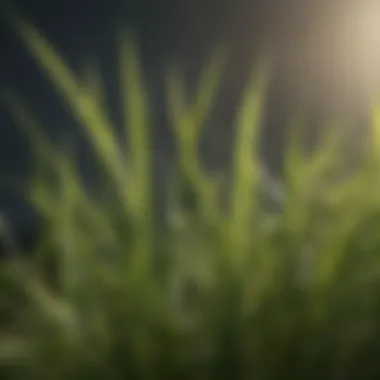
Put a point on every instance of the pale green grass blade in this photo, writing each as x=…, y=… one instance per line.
x=44, y=151
x=196, y=113
x=208, y=87
x=309, y=175
x=187, y=121
x=83, y=104
x=137, y=126
x=246, y=166
x=42, y=194
x=360, y=198
x=186, y=132
x=137, y=121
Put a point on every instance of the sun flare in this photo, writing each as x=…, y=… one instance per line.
x=337, y=61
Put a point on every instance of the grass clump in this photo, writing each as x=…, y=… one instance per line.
x=224, y=291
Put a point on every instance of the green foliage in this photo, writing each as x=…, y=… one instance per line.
x=236, y=293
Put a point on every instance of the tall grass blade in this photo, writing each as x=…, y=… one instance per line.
x=246, y=166
x=137, y=126
x=83, y=104
x=187, y=123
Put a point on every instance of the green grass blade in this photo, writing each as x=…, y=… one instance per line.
x=246, y=166
x=83, y=104
x=137, y=125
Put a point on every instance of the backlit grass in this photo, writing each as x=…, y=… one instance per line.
x=228, y=290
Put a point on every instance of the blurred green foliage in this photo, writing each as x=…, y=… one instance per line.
x=238, y=293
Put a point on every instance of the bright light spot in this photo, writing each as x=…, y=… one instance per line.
x=362, y=39
x=337, y=62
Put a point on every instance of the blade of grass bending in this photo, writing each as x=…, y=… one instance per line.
x=44, y=197
x=297, y=165
x=246, y=166
x=83, y=105
x=49, y=158
x=41, y=193
x=305, y=175
x=362, y=187
x=187, y=122
x=208, y=86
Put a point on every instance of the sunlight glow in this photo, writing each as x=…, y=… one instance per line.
x=361, y=34
x=337, y=62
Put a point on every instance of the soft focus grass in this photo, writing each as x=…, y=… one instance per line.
x=221, y=292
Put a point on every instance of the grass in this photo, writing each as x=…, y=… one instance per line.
x=229, y=289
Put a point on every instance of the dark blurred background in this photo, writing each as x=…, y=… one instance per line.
x=308, y=40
